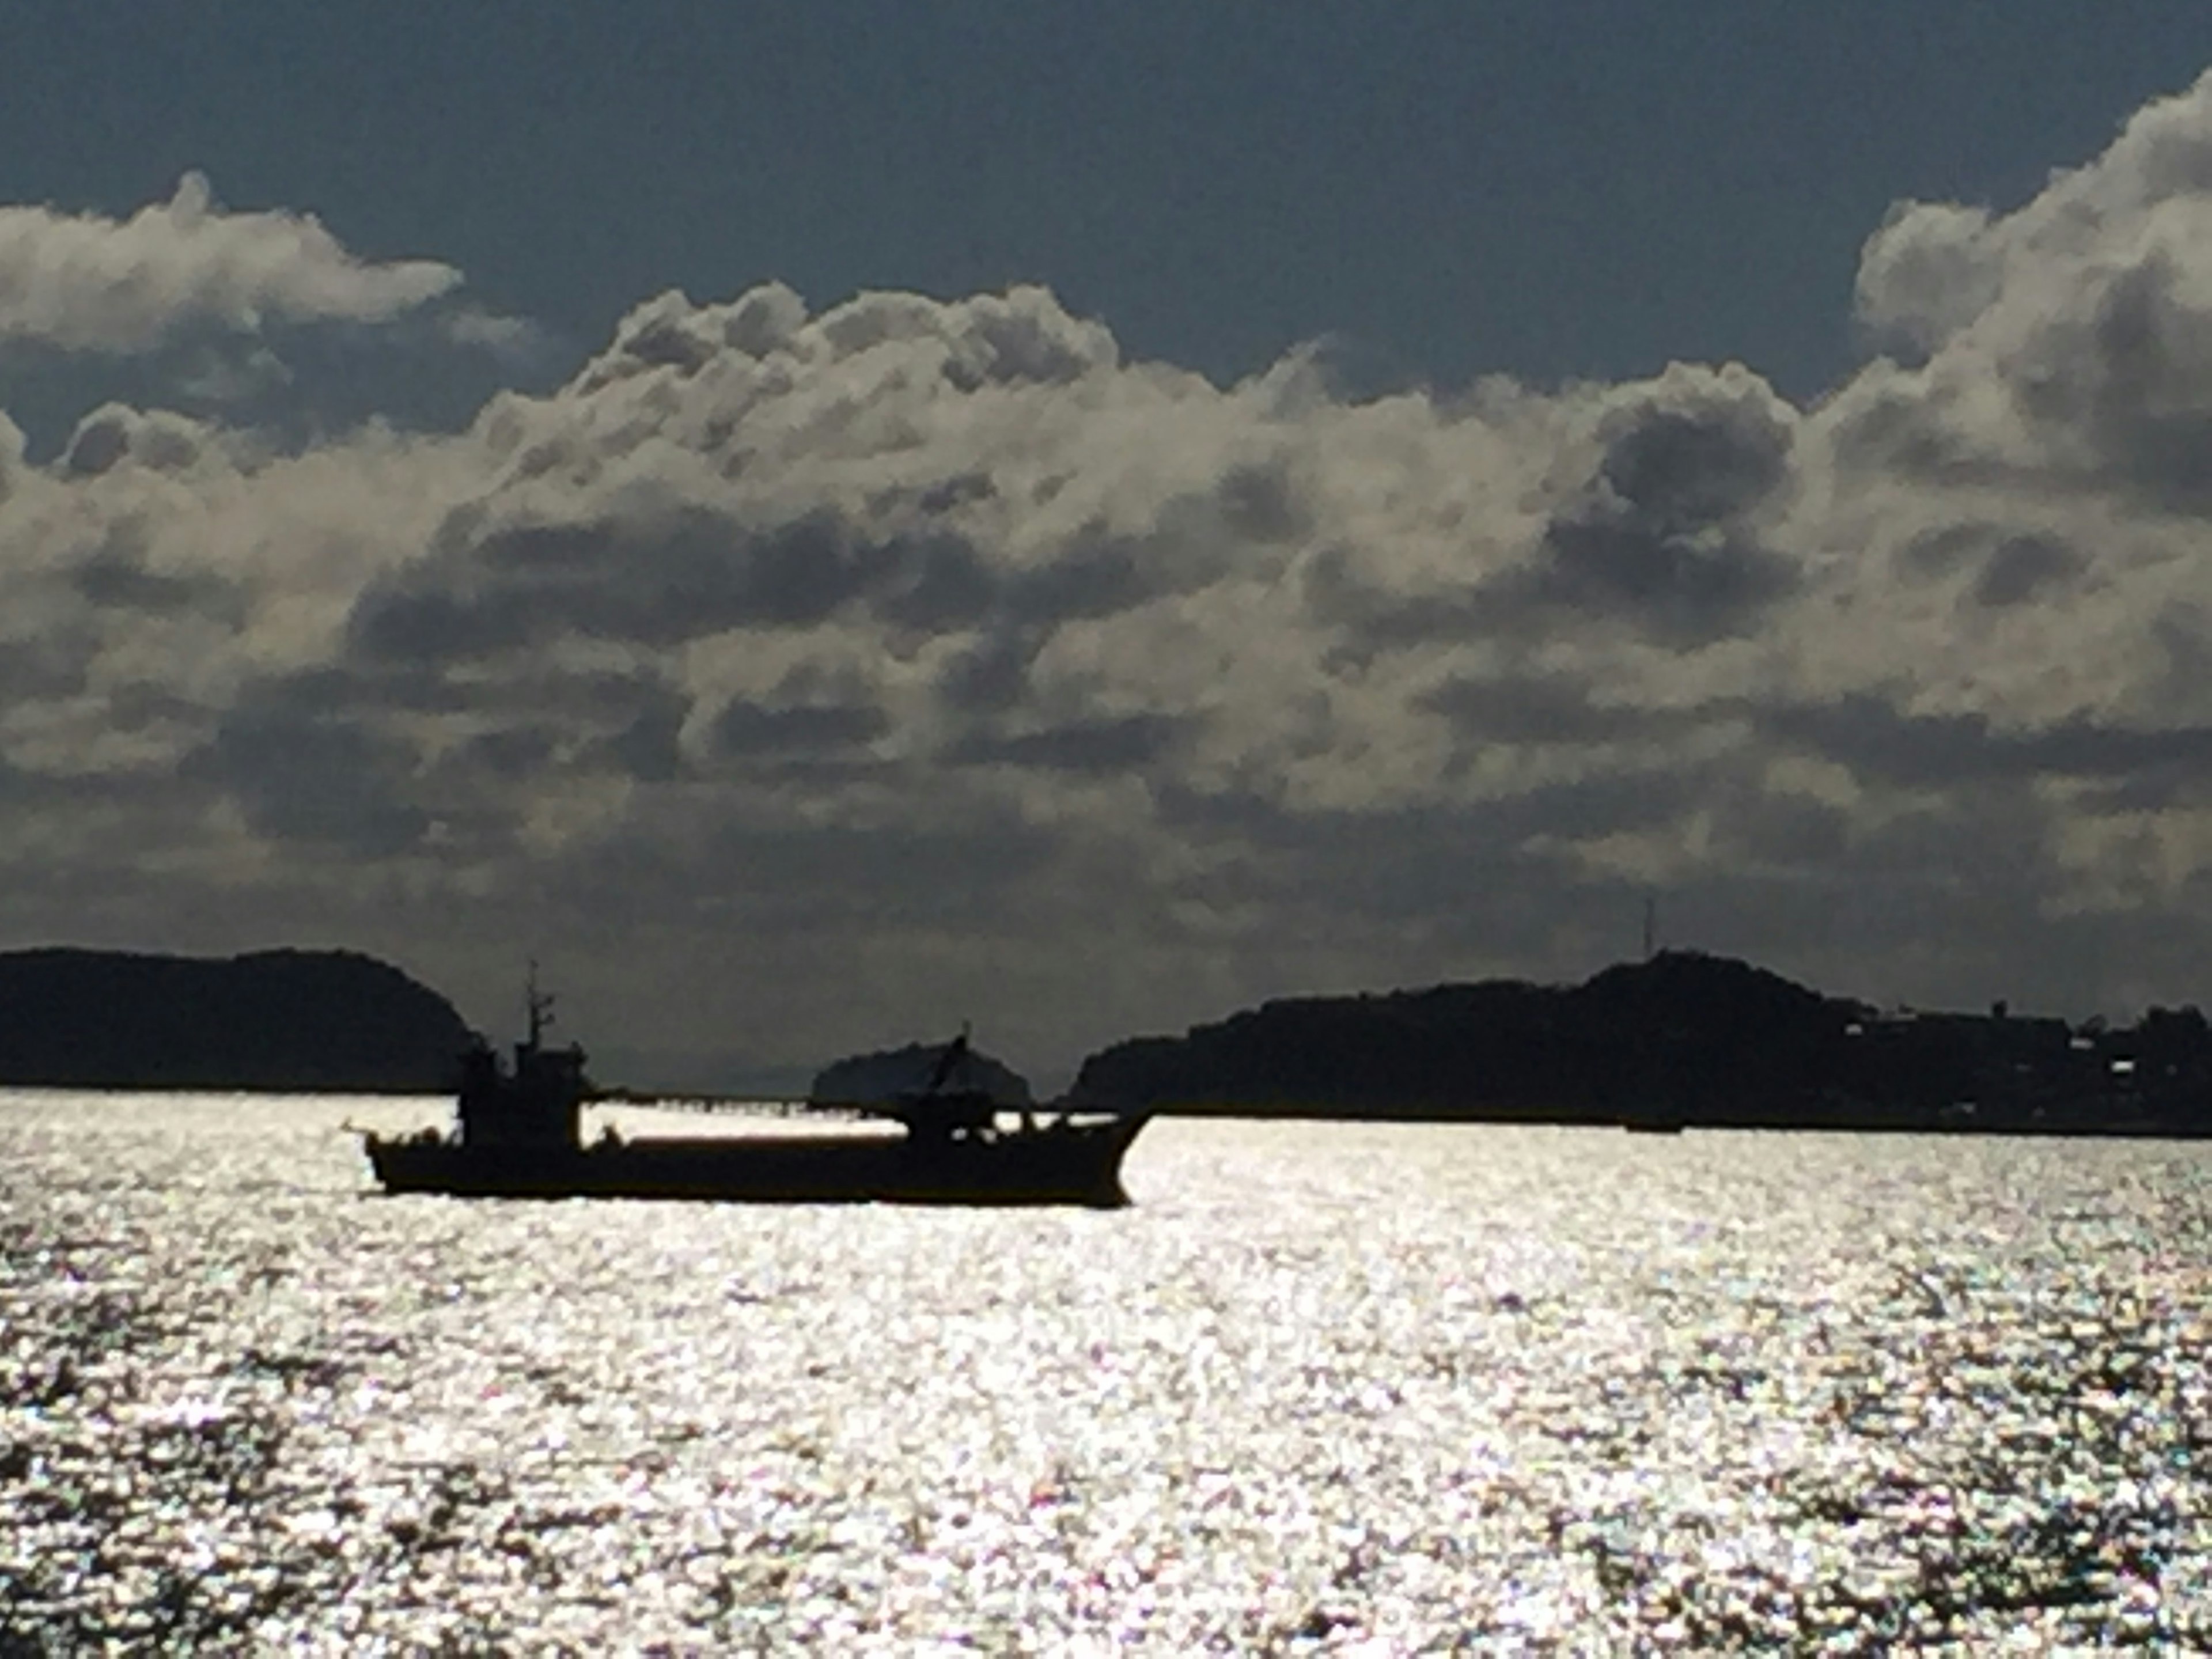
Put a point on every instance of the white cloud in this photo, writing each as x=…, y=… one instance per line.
x=907, y=659
x=514, y=339
x=89, y=283
x=1929, y=272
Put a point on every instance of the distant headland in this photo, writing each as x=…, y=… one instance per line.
x=278, y=1020
x=1681, y=1040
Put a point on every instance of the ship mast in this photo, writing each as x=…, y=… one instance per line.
x=537, y=1006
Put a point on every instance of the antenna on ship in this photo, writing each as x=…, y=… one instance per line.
x=538, y=1005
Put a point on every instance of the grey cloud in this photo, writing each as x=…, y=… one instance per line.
x=1663, y=535
x=1128, y=744
x=1659, y=520
x=1536, y=710
x=346, y=693
x=1096, y=575
x=13, y=465
x=668, y=332
x=47, y=666
x=952, y=875
x=1099, y=571
x=509, y=756
x=2115, y=380
x=544, y=721
x=648, y=746
x=1787, y=833
x=659, y=577
x=115, y=433
x=1685, y=590
x=1260, y=503
x=404, y=625
x=1943, y=552
x=118, y=579
x=2021, y=568
x=381, y=764
x=299, y=776
x=1887, y=424
x=991, y=676
x=1379, y=618
x=932, y=582
x=1873, y=738
x=746, y=728
x=1493, y=876
x=601, y=700
x=1023, y=336
x=1680, y=461
x=1927, y=273
x=770, y=626
x=622, y=724
x=949, y=494
x=2009, y=567
x=142, y=707
x=1196, y=539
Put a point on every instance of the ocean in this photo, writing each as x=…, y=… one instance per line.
x=1334, y=1389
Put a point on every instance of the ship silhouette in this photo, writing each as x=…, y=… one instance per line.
x=518, y=1122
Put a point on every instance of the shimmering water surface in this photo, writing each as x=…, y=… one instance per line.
x=1325, y=1388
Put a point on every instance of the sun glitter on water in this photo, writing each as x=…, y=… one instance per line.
x=1325, y=1387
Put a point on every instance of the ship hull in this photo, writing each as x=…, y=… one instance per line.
x=1072, y=1165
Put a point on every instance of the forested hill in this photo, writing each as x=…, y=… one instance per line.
x=293, y=1020
x=1680, y=1024
x=1679, y=1040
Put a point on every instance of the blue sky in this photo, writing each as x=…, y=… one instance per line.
x=1588, y=189
x=821, y=523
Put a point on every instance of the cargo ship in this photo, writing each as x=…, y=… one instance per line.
x=518, y=1134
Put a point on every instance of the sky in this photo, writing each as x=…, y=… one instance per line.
x=822, y=523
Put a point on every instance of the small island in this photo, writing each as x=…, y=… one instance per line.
x=872, y=1078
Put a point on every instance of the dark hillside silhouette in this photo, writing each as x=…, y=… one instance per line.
x=1629, y=1040
x=1683, y=1038
x=878, y=1077
x=274, y=1020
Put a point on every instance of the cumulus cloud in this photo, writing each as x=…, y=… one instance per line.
x=1664, y=530
x=2071, y=337
x=90, y=283
x=841, y=672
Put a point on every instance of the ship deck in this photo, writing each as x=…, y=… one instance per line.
x=1071, y=1165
